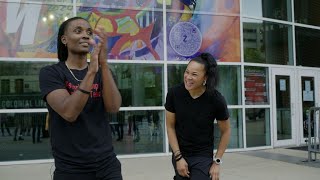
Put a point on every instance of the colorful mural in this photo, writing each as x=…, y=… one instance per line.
x=195, y=26
x=134, y=27
x=27, y=30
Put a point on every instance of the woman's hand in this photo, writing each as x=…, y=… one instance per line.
x=94, y=57
x=102, y=37
x=214, y=171
x=182, y=168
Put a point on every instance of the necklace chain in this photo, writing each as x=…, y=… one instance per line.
x=72, y=73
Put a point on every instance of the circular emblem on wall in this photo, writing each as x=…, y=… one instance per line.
x=185, y=38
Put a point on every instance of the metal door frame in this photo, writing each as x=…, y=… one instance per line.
x=293, y=94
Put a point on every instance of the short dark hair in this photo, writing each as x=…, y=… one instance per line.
x=211, y=69
x=62, y=48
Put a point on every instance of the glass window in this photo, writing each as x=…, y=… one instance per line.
x=25, y=136
x=307, y=43
x=283, y=107
x=140, y=84
x=136, y=132
x=5, y=86
x=307, y=12
x=175, y=74
x=236, y=139
x=275, y=9
x=256, y=85
x=230, y=84
x=133, y=34
x=266, y=42
x=29, y=30
x=229, y=81
x=258, y=127
x=308, y=101
x=20, y=85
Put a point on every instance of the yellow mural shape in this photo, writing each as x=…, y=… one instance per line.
x=96, y=20
x=126, y=25
x=187, y=14
x=168, y=2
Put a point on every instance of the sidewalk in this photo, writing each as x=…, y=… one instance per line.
x=271, y=164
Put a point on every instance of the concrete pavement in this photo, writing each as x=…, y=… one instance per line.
x=271, y=164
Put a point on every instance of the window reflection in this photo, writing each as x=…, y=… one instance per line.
x=229, y=81
x=307, y=43
x=137, y=131
x=307, y=12
x=236, y=139
x=139, y=84
x=25, y=136
x=20, y=85
x=275, y=9
x=266, y=42
x=258, y=127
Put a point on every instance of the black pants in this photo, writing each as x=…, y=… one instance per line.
x=110, y=172
x=198, y=166
x=4, y=126
x=119, y=129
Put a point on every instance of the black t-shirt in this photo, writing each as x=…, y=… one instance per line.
x=83, y=145
x=194, y=119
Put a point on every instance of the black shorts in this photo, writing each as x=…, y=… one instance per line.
x=198, y=166
x=110, y=172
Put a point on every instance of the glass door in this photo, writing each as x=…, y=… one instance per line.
x=308, y=97
x=283, y=107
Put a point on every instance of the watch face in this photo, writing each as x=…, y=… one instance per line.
x=217, y=161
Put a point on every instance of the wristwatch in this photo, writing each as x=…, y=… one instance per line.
x=217, y=161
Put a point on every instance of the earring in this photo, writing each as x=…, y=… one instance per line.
x=65, y=44
x=204, y=83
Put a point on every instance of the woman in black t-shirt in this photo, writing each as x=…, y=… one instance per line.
x=191, y=108
x=78, y=95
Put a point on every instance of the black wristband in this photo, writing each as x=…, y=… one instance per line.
x=84, y=91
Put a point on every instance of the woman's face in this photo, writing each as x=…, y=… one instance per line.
x=194, y=76
x=78, y=36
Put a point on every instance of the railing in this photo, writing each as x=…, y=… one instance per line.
x=313, y=132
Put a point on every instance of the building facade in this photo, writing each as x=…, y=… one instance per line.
x=266, y=51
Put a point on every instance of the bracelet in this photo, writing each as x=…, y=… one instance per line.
x=177, y=151
x=84, y=91
x=179, y=158
x=177, y=155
